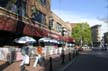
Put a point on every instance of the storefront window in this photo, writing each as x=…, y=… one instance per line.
x=14, y=6
x=38, y=16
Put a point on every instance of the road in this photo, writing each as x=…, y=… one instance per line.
x=90, y=61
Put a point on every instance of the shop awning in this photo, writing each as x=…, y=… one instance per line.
x=50, y=34
x=7, y=24
x=31, y=30
x=55, y=36
x=68, y=39
x=65, y=39
x=45, y=32
x=35, y=30
x=71, y=39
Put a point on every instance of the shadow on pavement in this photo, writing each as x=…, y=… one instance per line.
x=4, y=65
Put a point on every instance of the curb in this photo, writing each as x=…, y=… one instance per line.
x=69, y=64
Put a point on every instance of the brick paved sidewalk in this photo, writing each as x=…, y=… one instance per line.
x=56, y=60
x=61, y=66
x=15, y=66
x=57, y=63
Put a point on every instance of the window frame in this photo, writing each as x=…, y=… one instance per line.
x=58, y=27
x=11, y=6
x=43, y=2
x=38, y=16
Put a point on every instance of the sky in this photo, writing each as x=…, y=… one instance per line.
x=81, y=11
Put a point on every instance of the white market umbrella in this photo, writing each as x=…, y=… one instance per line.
x=25, y=39
x=44, y=39
x=54, y=41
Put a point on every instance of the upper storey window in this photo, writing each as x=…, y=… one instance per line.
x=9, y=4
x=43, y=2
x=16, y=6
x=58, y=27
x=38, y=16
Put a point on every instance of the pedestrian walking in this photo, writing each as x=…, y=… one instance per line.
x=39, y=58
x=25, y=53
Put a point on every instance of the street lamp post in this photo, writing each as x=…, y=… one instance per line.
x=62, y=55
x=50, y=28
x=50, y=25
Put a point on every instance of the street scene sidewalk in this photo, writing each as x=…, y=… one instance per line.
x=53, y=35
x=56, y=63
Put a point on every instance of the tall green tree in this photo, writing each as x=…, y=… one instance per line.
x=82, y=32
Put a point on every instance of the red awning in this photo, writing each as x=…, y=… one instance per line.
x=31, y=30
x=65, y=39
x=68, y=39
x=71, y=39
x=36, y=31
x=7, y=24
x=48, y=33
x=45, y=32
x=56, y=36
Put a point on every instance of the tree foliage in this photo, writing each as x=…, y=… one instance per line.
x=82, y=32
